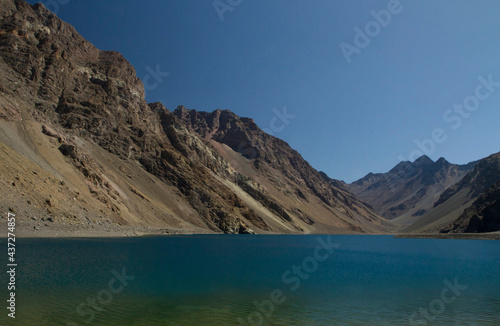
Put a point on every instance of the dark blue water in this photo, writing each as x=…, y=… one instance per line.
x=256, y=280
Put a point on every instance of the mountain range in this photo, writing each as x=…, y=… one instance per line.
x=82, y=149
x=81, y=145
x=410, y=189
x=435, y=197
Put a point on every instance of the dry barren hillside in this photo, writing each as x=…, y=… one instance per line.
x=427, y=197
x=470, y=205
x=410, y=189
x=82, y=150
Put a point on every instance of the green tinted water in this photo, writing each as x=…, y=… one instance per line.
x=256, y=280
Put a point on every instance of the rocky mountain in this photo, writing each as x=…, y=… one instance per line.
x=81, y=148
x=482, y=216
x=410, y=189
x=470, y=205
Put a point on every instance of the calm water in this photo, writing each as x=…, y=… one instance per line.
x=257, y=280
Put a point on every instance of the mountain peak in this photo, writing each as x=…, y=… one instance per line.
x=423, y=161
x=442, y=161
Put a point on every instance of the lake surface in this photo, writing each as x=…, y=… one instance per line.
x=256, y=280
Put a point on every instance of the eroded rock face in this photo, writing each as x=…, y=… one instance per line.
x=482, y=185
x=268, y=153
x=282, y=167
x=485, y=173
x=482, y=216
x=82, y=95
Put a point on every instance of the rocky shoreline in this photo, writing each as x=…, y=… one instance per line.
x=50, y=229
x=47, y=229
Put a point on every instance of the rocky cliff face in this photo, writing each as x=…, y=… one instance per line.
x=482, y=216
x=481, y=189
x=285, y=178
x=485, y=173
x=409, y=189
x=77, y=116
x=466, y=206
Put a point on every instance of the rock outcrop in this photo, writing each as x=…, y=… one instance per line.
x=481, y=190
x=482, y=216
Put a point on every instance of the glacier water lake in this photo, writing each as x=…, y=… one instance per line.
x=256, y=280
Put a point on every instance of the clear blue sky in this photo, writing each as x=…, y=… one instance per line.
x=351, y=118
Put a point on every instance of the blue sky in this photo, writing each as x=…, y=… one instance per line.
x=351, y=118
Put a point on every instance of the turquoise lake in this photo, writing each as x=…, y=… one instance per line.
x=256, y=280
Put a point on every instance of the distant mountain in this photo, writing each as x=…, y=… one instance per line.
x=485, y=173
x=470, y=205
x=81, y=147
x=410, y=189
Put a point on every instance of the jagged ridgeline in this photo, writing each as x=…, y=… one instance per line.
x=436, y=197
x=81, y=145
